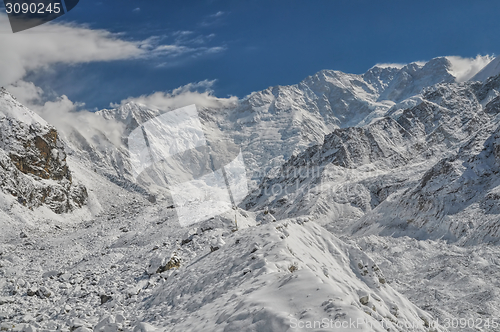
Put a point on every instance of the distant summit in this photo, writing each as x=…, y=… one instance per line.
x=492, y=69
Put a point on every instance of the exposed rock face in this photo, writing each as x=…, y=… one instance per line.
x=39, y=154
x=33, y=164
x=173, y=263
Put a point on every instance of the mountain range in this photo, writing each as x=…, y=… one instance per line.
x=352, y=178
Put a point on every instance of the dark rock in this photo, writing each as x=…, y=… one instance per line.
x=186, y=241
x=43, y=292
x=31, y=152
x=105, y=298
x=174, y=262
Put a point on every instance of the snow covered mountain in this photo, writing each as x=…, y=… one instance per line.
x=282, y=121
x=129, y=266
x=355, y=172
x=456, y=199
x=33, y=167
x=491, y=69
x=397, y=151
x=131, y=114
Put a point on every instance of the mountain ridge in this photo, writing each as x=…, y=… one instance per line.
x=345, y=158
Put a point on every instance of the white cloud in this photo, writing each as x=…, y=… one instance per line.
x=26, y=92
x=52, y=43
x=173, y=50
x=213, y=19
x=65, y=114
x=182, y=33
x=465, y=68
x=55, y=43
x=218, y=14
x=199, y=94
x=184, y=37
x=181, y=54
x=462, y=68
x=212, y=50
x=136, y=10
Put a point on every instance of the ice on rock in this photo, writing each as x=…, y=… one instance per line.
x=33, y=165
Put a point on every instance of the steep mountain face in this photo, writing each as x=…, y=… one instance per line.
x=377, y=135
x=33, y=164
x=329, y=179
x=356, y=169
x=412, y=78
x=99, y=151
x=456, y=200
x=491, y=69
x=280, y=122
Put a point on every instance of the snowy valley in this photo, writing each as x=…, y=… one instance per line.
x=373, y=205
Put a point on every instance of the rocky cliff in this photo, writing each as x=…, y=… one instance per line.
x=33, y=164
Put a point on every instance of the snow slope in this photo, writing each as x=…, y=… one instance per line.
x=491, y=69
x=267, y=277
x=262, y=278
x=456, y=284
x=455, y=200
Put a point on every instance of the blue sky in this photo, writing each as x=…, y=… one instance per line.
x=249, y=45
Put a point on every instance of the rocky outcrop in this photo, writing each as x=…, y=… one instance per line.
x=33, y=164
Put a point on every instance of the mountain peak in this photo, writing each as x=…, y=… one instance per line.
x=11, y=108
x=131, y=114
x=491, y=69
